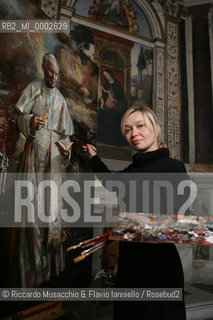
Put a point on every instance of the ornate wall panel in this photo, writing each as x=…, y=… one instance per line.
x=173, y=97
x=160, y=91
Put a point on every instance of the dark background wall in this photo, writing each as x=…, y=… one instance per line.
x=202, y=85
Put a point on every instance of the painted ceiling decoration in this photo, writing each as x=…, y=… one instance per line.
x=115, y=13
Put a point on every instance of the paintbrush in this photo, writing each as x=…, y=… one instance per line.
x=85, y=243
x=87, y=252
x=93, y=247
x=74, y=138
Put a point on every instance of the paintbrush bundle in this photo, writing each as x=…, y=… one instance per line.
x=87, y=247
x=152, y=228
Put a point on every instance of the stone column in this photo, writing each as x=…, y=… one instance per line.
x=173, y=85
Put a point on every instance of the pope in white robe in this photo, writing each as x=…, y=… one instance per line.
x=44, y=119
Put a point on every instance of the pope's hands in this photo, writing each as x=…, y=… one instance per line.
x=36, y=122
x=90, y=150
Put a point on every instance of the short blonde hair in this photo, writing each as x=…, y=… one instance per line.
x=149, y=115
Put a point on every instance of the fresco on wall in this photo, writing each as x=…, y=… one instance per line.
x=141, y=75
x=116, y=13
x=135, y=83
x=113, y=103
x=111, y=106
x=122, y=14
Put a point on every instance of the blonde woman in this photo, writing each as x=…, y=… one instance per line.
x=146, y=265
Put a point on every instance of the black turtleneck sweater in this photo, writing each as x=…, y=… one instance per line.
x=157, y=161
x=149, y=265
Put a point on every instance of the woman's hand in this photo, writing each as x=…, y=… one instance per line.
x=90, y=150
